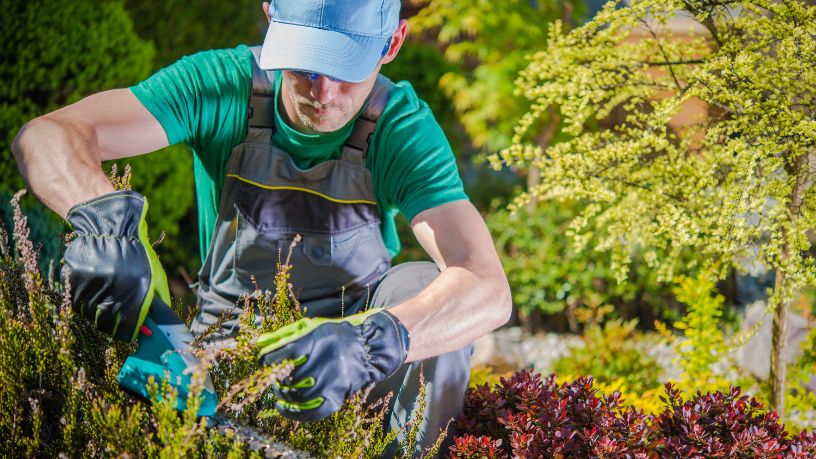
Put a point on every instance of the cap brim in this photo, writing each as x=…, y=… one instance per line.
x=346, y=57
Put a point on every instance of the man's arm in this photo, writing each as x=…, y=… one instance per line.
x=59, y=154
x=470, y=298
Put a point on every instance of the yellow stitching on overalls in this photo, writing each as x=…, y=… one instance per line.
x=269, y=187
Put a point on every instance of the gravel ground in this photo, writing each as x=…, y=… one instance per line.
x=507, y=349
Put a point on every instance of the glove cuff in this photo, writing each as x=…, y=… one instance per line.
x=116, y=214
x=387, y=341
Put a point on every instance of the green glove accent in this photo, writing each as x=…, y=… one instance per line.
x=158, y=278
x=113, y=270
x=271, y=341
x=333, y=359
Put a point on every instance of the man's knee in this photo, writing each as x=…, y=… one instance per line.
x=403, y=282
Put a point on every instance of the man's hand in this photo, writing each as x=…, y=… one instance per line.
x=112, y=268
x=334, y=358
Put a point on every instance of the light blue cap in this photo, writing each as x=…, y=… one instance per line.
x=343, y=39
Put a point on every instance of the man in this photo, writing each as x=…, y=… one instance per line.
x=301, y=139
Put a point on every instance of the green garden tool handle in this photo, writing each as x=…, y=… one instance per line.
x=164, y=350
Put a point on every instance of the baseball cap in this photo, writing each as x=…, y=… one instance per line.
x=339, y=38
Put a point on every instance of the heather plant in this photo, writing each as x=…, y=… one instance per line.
x=732, y=185
x=59, y=392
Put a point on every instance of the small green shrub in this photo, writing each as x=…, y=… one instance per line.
x=549, y=271
x=612, y=351
x=703, y=343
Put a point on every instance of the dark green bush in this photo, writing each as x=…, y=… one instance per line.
x=549, y=275
x=55, y=55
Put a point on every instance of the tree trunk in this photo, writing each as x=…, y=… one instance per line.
x=779, y=367
x=800, y=169
x=544, y=140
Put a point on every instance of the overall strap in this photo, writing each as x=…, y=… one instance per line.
x=356, y=146
x=261, y=108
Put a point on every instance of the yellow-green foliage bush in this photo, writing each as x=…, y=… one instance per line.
x=59, y=394
x=613, y=353
x=703, y=344
x=733, y=184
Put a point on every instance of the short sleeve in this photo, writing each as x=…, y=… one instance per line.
x=415, y=168
x=201, y=99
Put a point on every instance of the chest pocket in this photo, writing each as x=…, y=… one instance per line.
x=340, y=247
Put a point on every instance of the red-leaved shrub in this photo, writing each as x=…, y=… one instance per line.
x=802, y=446
x=469, y=447
x=720, y=425
x=525, y=417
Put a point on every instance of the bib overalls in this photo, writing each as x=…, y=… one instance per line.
x=341, y=261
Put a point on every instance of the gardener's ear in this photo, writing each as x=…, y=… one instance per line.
x=396, y=41
x=265, y=7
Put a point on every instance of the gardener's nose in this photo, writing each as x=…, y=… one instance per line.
x=323, y=89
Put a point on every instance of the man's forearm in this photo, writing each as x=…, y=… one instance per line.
x=458, y=307
x=59, y=163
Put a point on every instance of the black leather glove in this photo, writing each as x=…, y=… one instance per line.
x=334, y=358
x=112, y=268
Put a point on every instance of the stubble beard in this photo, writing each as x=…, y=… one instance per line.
x=308, y=116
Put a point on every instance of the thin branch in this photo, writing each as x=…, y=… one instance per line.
x=670, y=63
x=663, y=52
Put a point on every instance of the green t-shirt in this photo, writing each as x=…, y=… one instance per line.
x=201, y=100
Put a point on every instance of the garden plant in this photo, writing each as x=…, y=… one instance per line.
x=527, y=416
x=733, y=185
x=60, y=394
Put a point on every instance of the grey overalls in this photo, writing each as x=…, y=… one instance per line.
x=267, y=200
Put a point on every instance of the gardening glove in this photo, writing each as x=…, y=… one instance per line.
x=334, y=358
x=112, y=268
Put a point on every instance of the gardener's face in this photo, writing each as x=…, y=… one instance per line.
x=323, y=105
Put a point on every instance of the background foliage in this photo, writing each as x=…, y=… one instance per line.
x=734, y=184
x=550, y=271
x=51, y=60
x=490, y=40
